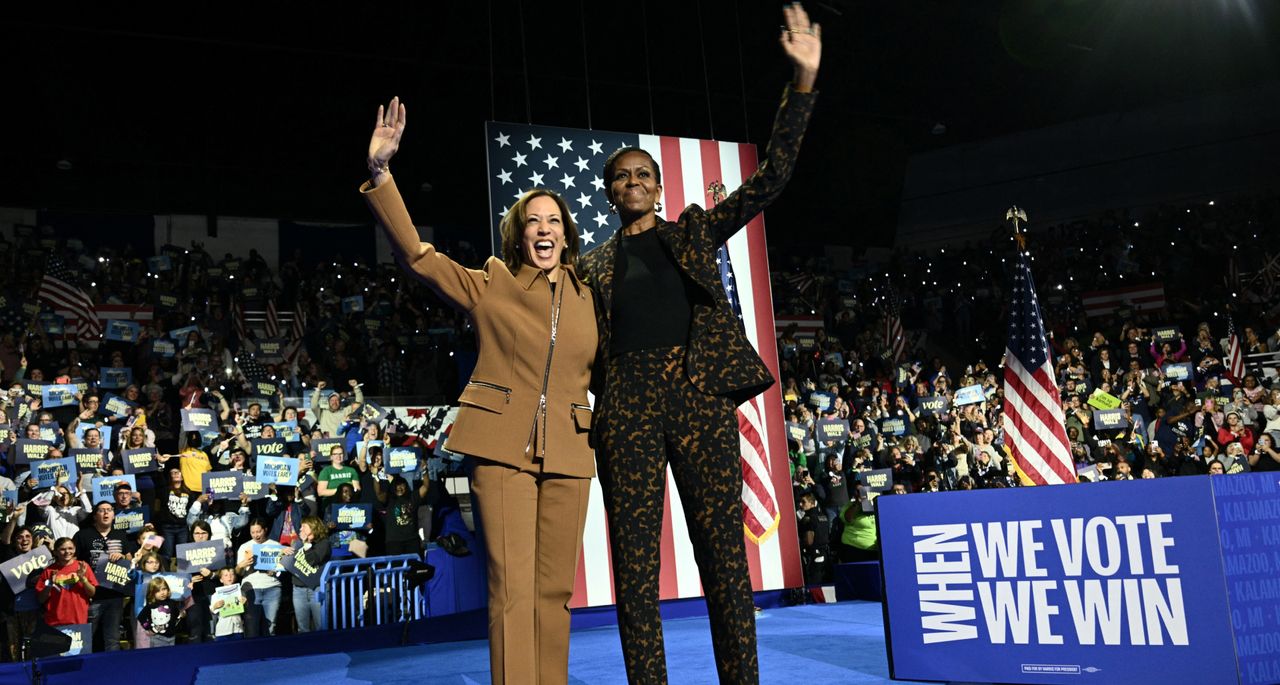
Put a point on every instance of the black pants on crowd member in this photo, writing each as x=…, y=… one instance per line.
x=105, y=616
x=654, y=415
x=396, y=547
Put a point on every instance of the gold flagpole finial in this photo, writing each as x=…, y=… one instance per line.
x=1016, y=214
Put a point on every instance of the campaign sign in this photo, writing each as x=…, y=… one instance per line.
x=831, y=430
x=53, y=324
x=877, y=480
x=123, y=331
x=32, y=388
x=160, y=263
x=28, y=451
x=103, y=431
x=178, y=589
x=113, y=575
x=893, y=426
x=104, y=487
x=271, y=351
x=250, y=292
x=372, y=412
x=58, y=395
x=164, y=348
x=1109, y=419
x=141, y=460
x=355, y=303
x=167, y=301
x=114, y=405
x=287, y=430
x=49, y=431
x=797, y=431
x=52, y=472
x=1114, y=582
x=266, y=556
x=933, y=405
x=320, y=449
x=1103, y=400
x=1248, y=507
x=5, y=431
x=81, y=638
x=1166, y=334
x=199, y=420
x=18, y=568
x=114, y=377
x=180, y=334
x=969, y=394
x=193, y=556
x=298, y=565
x=9, y=497
x=269, y=447
x=222, y=484
x=255, y=489
x=324, y=398
x=266, y=388
x=87, y=459
x=132, y=520
x=1179, y=372
x=821, y=401
x=402, y=460
x=351, y=516
x=278, y=470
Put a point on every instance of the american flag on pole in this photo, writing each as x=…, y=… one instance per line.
x=59, y=289
x=237, y=318
x=895, y=342
x=299, y=327
x=1033, y=420
x=1235, y=358
x=570, y=162
x=272, y=320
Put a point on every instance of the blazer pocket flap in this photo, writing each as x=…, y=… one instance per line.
x=581, y=416
x=485, y=396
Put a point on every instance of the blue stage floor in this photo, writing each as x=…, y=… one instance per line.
x=823, y=643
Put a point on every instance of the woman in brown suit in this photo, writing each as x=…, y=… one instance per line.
x=524, y=414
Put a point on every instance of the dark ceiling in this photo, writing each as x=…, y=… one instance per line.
x=263, y=114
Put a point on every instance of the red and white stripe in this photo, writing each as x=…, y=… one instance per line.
x=1034, y=426
x=1136, y=297
x=237, y=318
x=73, y=305
x=773, y=550
x=142, y=313
x=272, y=320
x=1235, y=357
x=804, y=323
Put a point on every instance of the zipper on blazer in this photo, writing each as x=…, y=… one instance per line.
x=556, y=300
x=493, y=386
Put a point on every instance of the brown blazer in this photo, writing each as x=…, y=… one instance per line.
x=499, y=415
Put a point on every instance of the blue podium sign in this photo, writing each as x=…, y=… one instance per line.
x=1118, y=582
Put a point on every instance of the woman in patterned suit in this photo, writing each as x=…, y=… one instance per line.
x=674, y=365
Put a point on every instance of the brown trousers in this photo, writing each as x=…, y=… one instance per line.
x=532, y=526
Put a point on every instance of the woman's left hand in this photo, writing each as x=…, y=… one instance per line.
x=802, y=41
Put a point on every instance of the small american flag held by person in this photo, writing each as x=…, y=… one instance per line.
x=570, y=161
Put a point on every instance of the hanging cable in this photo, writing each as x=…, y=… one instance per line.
x=524, y=64
x=493, y=101
x=742, y=76
x=648, y=81
x=586, y=70
x=706, y=76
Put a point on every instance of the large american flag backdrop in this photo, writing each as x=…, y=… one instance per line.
x=570, y=161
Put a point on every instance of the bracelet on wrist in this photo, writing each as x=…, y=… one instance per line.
x=376, y=169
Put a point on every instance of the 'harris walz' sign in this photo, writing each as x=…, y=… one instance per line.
x=1031, y=586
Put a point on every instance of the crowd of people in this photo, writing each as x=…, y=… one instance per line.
x=903, y=414
x=1161, y=377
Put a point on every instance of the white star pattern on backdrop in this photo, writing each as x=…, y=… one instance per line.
x=542, y=149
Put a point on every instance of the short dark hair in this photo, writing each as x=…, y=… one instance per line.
x=607, y=174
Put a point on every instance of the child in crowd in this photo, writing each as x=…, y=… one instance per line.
x=228, y=626
x=65, y=587
x=158, y=620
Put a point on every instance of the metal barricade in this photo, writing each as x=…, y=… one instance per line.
x=368, y=592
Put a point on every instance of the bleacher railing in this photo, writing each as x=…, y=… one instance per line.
x=356, y=593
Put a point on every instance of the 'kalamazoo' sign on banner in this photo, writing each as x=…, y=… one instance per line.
x=1037, y=585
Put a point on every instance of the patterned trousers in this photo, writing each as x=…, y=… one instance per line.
x=654, y=416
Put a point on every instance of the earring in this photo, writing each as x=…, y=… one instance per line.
x=657, y=206
x=612, y=208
